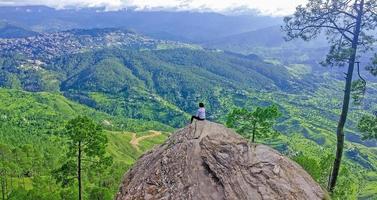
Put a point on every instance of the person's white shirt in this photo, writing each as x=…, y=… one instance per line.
x=201, y=113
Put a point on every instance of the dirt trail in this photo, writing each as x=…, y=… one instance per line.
x=135, y=140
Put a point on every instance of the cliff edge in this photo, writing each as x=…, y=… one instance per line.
x=206, y=160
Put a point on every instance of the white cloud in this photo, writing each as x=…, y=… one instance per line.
x=267, y=7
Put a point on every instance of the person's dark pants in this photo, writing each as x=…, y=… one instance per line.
x=197, y=118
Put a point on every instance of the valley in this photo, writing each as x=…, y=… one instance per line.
x=141, y=89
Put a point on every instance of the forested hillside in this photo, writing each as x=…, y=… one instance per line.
x=11, y=31
x=33, y=145
x=145, y=84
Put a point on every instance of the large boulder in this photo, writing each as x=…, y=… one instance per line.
x=206, y=160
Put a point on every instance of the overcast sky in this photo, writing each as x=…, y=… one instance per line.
x=266, y=7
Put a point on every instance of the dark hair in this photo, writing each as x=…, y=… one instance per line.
x=201, y=105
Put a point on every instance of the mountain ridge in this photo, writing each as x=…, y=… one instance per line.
x=185, y=26
x=9, y=31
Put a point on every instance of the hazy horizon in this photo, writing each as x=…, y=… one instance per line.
x=268, y=7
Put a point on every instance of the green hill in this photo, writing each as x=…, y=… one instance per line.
x=30, y=128
x=10, y=31
x=131, y=89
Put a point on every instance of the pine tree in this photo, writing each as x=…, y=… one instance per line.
x=86, y=146
x=348, y=25
x=258, y=123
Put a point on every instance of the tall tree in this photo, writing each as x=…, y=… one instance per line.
x=258, y=123
x=348, y=25
x=86, y=145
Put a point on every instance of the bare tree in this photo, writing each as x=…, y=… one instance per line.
x=348, y=26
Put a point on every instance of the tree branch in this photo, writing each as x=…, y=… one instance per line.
x=371, y=11
x=342, y=30
x=335, y=27
x=347, y=13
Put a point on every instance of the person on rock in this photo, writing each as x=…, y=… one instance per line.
x=200, y=114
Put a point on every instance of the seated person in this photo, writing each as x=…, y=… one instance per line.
x=200, y=114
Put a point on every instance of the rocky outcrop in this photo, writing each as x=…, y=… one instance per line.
x=206, y=160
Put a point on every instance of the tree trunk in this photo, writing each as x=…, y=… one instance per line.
x=79, y=170
x=11, y=182
x=49, y=184
x=2, y=173
x=6, y=184
x=3, y=185
x=254, y=130
x=346, y=101
x=6, y=189
x=23, y=182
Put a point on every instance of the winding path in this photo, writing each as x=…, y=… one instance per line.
x=135, y=140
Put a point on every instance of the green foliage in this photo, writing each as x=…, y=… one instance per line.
x=358, y=91
x=32, y=129
x=347, y=186
x=311, y=165
x=100, y=193
x=108, y=75
x=86, y=149
x=372, y=68
x=9, y=80
x=368, y=126
x=83, y=133
x=317, y=167
x=258, y=123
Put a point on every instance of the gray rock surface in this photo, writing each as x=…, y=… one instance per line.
x=206, y=160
